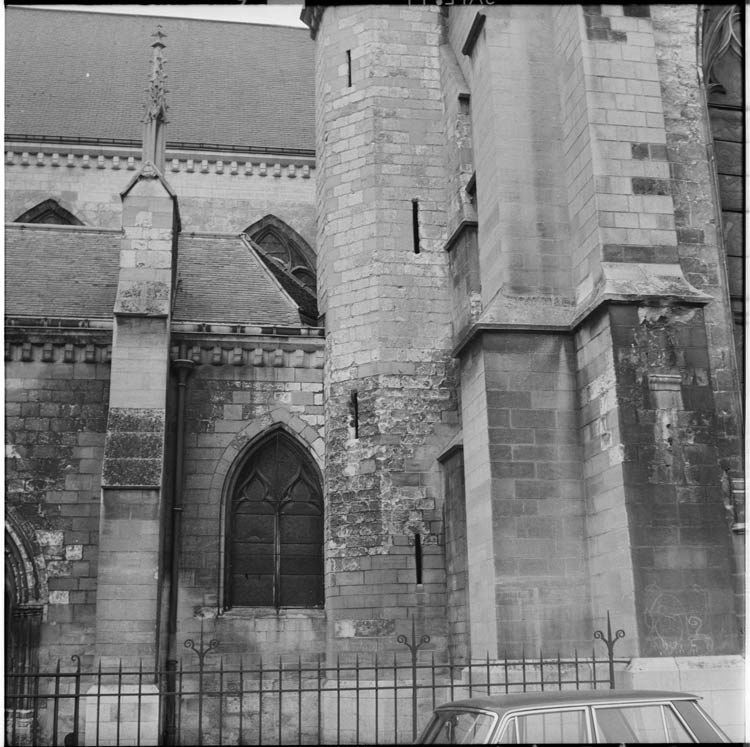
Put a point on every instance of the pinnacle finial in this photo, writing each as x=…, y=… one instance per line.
x=156, y=106
x=159, y=34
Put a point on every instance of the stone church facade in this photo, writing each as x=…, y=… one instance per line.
x=425, y=314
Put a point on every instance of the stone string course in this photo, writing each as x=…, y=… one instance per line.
x=244, y=166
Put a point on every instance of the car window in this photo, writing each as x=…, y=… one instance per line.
x=640, y=723
x=460, y=727
x=553, y=726
x=699, y=721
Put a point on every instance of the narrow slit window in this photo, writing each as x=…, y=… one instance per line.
x=415, y=224
x=418, y=556
x=349, y=67
x=354, y=414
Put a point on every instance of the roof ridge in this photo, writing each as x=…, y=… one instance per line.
x=303, y=29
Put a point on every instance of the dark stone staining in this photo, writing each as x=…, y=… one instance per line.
x=636, y=11
x=373, y=628
x=599, y=27
x=141, y=420
x=136, y=445
x=657, y=254
x=650, y=151
x=672, y=476
x=690, y=236
x=44, y=427
x=646, y=186
x=143, y=297
x=133, y=450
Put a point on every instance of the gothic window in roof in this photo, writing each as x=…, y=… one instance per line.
x=49, y=211
x=274, y=540
x=291, y=260
x=287, y=247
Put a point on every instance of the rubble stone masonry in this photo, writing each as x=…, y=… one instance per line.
x=383, y=286
x=56, y=400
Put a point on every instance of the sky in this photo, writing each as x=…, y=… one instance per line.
x=278, y=13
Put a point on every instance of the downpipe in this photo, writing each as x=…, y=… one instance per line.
x=182, y=368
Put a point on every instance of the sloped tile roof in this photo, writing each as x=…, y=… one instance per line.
x=60, y=273
x=84, y=75
x=56, y=272
x=220, y=280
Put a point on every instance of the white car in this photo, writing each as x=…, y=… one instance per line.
x=573, y=717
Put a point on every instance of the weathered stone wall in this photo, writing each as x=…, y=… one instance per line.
x=517, y=139
x=56, y=394
x=696, y=212
x=381, y=137
x=607, y=536
x=538, y=510
x=229, y=406
x=222, y=194
x=679, y=536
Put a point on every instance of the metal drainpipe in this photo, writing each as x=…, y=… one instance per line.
x=182, y=367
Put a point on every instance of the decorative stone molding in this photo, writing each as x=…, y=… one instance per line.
x=257, y=353
x=45, y=351
x=219, y=163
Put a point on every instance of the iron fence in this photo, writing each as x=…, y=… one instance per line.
x=354, y=700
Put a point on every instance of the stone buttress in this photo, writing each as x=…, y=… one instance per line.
x=133, y=472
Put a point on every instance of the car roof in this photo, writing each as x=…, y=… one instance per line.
x=502, y=703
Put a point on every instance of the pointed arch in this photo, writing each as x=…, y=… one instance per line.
x=280, y=242
x=49, y=211
x=721, y=52
x=273, y=549
x=25, y=595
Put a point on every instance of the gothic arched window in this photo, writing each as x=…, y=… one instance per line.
x=49, y=211
x=291, y=260
x=723, y=68
x=274, y=548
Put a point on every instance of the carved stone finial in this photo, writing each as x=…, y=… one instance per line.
x=155, y=119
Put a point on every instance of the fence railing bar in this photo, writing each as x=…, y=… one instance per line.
x=356, y=698
x=338, y=698
x=119, y=701
x=240, y=739
x=281, y=683
x=14, y=700
x=357, y=686
x=98, y=698
x=541, y=669
x=76, y=696
x=299, y=699
x=140, y=691
x=593, y=663
x=178, y=701
x=319, y=705
x=56, y=706
x=377, y=699
x=221, y=699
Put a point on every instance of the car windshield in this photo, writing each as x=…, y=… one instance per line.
x=459, y=727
